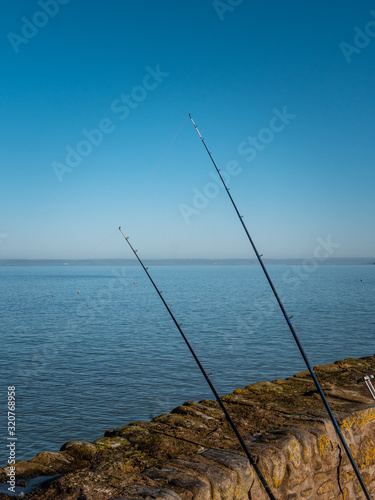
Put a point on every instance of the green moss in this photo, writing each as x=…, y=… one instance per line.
x=111, y=442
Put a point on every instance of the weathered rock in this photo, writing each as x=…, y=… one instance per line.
x=23, y=491
x=80, y=449
x=51, y=459
x=181, y=480
x=131, y=432
x=180, y=421
x=238, y=463
x=112, y=442
x=222, y=483
x=151, y=493
x=192, y=453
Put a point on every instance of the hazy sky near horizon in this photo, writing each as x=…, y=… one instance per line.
x=95, y=132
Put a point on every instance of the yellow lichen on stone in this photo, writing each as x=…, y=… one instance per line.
x=367, y=453
x=345, y=494
x=318, y=477
x=295, y=447
x=360, y=419
x=346, y=476
x=325, y=488
x=298, y=481
x=295, y=455
x=306, y=493
x=278, y=467
x=324, y=445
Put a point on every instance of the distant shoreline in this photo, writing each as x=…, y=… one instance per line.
x=184, y=262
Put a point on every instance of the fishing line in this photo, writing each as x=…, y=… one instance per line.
x=98, y=244
x=288, y=319
x=207, y=377
x=170, y=144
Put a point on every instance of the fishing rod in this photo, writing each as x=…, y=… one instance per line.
x=206, y=376
x=290, y=324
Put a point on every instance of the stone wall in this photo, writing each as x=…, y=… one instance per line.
x=192, y=453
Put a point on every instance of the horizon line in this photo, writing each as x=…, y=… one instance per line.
x=188, y=261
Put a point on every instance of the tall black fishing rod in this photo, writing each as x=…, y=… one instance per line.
x=290, y=324
x=206, y=376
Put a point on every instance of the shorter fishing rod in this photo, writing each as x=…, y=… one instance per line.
x=290, y=324
x=206, y=376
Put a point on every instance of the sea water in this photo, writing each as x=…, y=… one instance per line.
x=92, y=348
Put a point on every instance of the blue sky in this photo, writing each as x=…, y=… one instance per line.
x=94, y=131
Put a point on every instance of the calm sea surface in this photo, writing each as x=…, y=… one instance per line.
x=85, y=362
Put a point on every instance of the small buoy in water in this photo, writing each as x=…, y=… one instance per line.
x=52, y=295
x=78, y=292
x=134, y=283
